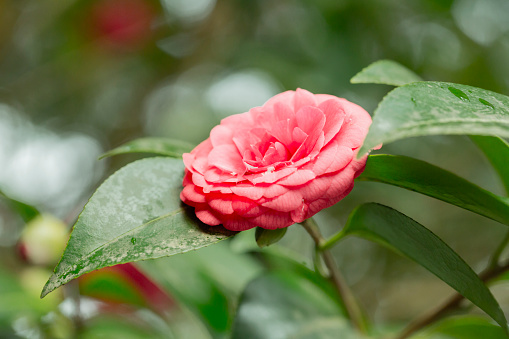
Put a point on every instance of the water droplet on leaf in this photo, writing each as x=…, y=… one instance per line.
x=459, y=94
x=486, y=103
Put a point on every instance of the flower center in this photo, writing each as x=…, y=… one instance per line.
x=267, y=153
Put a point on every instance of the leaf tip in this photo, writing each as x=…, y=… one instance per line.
x=104, y=155
x=47, y=288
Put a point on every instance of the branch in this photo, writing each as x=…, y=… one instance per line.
x=450, y=305
x=498, y=252
x=351, y=306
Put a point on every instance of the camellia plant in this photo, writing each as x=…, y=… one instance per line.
x=278, y=165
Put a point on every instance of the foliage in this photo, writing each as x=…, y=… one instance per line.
x=136, y=214
x=67, y=69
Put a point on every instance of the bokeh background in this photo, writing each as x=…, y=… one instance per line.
x=78, y=78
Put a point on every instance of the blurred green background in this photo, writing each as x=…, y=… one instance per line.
x=78, y=78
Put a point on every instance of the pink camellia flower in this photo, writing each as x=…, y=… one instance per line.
x=277, y=164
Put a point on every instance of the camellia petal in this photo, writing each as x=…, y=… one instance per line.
x=191, y=193
x=334, y=115
x=226, y=158
x=317, y=190
x=249, y=191
x=221, y=135
x=277, y=164
x=285, y=203
x=206, y=216
x=221, y=206
x=272, y=220
x=342, y=158
x=303, y=98
x=298, y=178
x=300, y=214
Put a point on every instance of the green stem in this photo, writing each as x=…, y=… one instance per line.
x=317, y=262
x=352, y=308
x=498, y=252
x=72, y=291
x=328, y=243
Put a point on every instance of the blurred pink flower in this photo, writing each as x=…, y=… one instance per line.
x=122, y=24
x=278, y=164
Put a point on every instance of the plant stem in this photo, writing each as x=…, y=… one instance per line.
x=318, y=263
x=352, y=308
x=498, y=252
x=72, y=292
x=328, y=243
x=453, y=303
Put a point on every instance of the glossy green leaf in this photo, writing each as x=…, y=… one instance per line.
x=395, y=230
x=161, y=146
x=430, y=108
x=388, y=72
x=135, y=214
x=285, y=304
x=497, y=151
x=422, y=177
x=266, y=237
x=385, y=72
x=468, y=327
x=391, y=73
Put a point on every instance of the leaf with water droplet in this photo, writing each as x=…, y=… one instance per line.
x=435, y=111
x=114, y=216
x=459, y=94
x=486, y=103
x=405, y=236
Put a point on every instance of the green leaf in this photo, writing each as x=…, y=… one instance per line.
x=285, y=304
x=125, y=284
x=135, y=214
x=179, y=324
x=18, y=297
x=422, y=177
x=385, y=72
x=266, y=237
x=208, y=281
x=497, y=152
x=468, y=327
x=161, y=146
x=110, y=286
x=108, y=326
x=391, y=73
x=25, y=211
x=395, y=230
x=430, y=108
